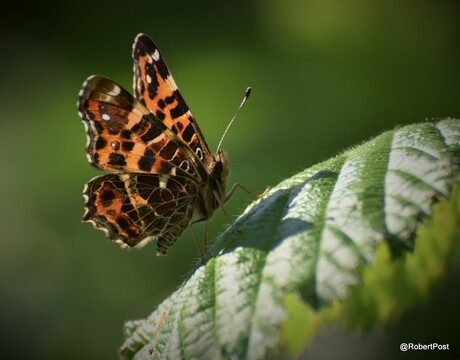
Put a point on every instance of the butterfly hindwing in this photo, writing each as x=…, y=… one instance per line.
x=134, y=209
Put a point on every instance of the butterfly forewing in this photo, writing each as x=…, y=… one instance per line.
x=155, y=87
x=124, y=136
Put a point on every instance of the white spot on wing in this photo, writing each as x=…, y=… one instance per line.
x=116, y=90
x=163, y=180
x=156, y=55
x=149, y=78
x=106, y=117
x=122, y=244
x=172, y=82
x=145, y=241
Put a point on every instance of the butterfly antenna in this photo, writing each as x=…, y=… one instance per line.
x=246, y=95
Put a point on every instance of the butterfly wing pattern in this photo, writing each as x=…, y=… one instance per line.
x=162, y=176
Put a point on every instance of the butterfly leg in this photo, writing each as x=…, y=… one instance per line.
x=221, y=204
x=196, y=241
x=237, y=185
x=229, y=195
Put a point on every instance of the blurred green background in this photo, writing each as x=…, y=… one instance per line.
x=326, y=75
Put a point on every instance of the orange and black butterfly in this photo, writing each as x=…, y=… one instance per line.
x=162, y=174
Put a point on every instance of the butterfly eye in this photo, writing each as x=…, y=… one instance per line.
x=217, y=166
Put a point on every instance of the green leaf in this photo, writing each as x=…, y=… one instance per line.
x=355, y=238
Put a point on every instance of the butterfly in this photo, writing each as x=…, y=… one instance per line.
x=162, y=175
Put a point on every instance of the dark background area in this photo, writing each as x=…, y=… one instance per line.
x=326, y=75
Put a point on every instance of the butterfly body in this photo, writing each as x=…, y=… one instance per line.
x=162, y=175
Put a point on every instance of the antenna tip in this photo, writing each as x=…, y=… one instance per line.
x=248, y=91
